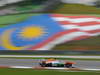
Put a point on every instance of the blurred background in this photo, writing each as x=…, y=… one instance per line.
x=19, y=10
x=50, y=6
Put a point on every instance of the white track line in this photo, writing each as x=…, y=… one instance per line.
x=91, y=69
x=54, y=56
x=23, y=67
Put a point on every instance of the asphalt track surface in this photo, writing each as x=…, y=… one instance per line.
x=35, y=63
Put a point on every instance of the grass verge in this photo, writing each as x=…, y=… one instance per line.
x=87, y=59
x=12, y=19
x=76, y=9
x=43, y=72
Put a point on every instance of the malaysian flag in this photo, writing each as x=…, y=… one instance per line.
x=74, y=28
x=44, y=31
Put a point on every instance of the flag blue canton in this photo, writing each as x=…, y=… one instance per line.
x=28, y=33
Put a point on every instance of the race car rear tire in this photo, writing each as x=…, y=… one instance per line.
x=68, y=65
x=42, y=64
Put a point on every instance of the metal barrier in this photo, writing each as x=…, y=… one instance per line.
x=53, y=52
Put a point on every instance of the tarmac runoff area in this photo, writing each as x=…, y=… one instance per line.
x=34, y=64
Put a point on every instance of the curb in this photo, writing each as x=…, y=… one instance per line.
x=49, y=68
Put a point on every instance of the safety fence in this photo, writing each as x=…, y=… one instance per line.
x=52, y=52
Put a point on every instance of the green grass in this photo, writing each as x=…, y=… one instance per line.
x=76, y=9
x=42, y=72
x=12, y=19
x=86, y=44
x=56, y=58
x=27, y=8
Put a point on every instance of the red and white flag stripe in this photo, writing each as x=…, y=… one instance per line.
x=76, y=28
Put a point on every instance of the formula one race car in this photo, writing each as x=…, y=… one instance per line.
x=56, y=63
